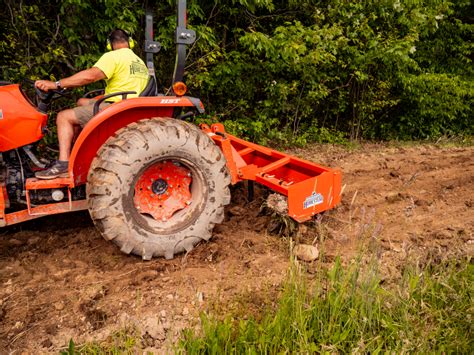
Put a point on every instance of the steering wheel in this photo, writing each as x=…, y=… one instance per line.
x=46, y=96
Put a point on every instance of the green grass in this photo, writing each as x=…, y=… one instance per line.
x=343, y=309
x=125, y=341
x=347, y=309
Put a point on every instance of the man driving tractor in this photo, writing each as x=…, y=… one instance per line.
x=121, y=69
x=154, y=184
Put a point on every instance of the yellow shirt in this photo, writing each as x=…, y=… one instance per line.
x=125, y=71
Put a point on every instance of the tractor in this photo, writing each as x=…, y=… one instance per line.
x=154, y=184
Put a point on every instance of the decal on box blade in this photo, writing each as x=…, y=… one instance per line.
x=1, y=114
x=313, y=200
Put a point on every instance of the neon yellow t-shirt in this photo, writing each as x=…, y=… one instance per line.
x=125, y=71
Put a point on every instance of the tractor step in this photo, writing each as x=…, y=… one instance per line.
x=36, y=211
x=38, y=184
x=309, y=187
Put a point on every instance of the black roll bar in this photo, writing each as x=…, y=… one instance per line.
x=183, y=37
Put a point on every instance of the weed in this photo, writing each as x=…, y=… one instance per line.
x=346, y=309
x=125, y=341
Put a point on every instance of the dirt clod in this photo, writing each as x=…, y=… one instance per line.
x=306, y=252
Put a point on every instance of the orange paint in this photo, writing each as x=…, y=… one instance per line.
x=162, y=190
x=20, y=122
x=44, y=210
x=310, y=188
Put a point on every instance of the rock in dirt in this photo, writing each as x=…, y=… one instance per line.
x=154, y=328
x=306, y=252
x=394, y=197
x=59, y=306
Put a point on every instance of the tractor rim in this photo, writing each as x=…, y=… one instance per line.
x=163, y=189
x=168, y=194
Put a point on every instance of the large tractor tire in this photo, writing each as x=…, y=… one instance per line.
x=158, y=187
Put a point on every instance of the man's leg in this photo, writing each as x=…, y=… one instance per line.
x=85, y=102
x=66, y=123
x=81, y=102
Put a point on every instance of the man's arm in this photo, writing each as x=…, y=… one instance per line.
x=82, y=78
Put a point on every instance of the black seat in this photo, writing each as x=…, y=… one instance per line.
x=150, y=88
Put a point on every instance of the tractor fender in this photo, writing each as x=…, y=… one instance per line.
x=111, y=119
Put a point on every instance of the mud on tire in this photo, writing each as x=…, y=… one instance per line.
x=127, y=157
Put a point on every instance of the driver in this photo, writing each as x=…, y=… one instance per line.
x=121, y=69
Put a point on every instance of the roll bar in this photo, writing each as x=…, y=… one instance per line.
x=183, y=37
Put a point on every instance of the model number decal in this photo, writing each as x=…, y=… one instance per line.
x=169, y=101
x=313, y=200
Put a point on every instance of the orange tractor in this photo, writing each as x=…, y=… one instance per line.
x=154, y=184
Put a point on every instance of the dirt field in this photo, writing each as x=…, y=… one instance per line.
x=60, y=280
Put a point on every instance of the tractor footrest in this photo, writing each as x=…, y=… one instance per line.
x=39, y=184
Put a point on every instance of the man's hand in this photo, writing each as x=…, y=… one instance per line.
x=45, y=85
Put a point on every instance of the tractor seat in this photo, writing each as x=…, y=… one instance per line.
x=150, y=88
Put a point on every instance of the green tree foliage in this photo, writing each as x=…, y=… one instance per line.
x=57, y=38
x=279, y=71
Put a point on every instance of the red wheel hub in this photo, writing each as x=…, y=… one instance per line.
x=163, y=189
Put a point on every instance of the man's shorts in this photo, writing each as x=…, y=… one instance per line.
x=85, y=113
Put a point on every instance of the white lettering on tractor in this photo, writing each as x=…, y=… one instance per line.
x=169, y=101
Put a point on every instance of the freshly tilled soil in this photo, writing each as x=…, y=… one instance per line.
x=60, y=279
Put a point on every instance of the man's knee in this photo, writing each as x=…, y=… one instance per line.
x=66, y=116
x=84, y=101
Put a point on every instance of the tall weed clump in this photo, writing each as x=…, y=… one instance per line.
x=347, y=309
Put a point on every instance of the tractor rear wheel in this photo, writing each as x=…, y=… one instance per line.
x=157, y=187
